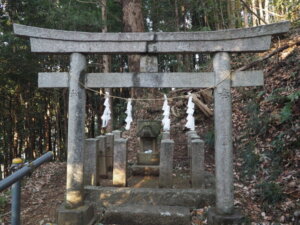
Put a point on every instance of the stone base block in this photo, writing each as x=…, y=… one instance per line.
x=145, y=170
x=79, y=216
x=147, y=215
x=148, y=158
x=215, y=218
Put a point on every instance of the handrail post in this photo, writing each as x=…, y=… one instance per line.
x=16, y=194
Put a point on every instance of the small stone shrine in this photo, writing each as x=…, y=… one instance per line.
x=148, y=133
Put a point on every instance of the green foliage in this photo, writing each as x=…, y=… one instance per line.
x=286, y=113
x=209, y=139
x=251, y=160
x=258, y=123
x=270, y=193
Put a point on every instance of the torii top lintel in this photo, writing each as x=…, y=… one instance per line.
x=254, y=39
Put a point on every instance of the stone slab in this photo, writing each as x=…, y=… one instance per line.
x=79, y=216
x=215, y=218
x=91, y=165
x=151, y=80
x=120, y=163
x=117, y=134
x=45, y=33
x=104, y=197
x=270, y=29
x=145, y=170
x=102, y=156
x=110, y=151
x=166, y=164
x=253, y=44
x=197, y=168
x=147, y=215
x=148, y=158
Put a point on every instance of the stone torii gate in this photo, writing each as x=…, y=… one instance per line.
x=221, y=43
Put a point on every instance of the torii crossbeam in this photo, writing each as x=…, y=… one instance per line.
x=255, y=39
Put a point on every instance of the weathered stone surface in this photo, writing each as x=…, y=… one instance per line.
x=145, y=170
x=110, y=151
x=76, y=134
x=117, y=134
x=215, y=218
x=223, y=134
x=79, y=216
x=253, y=44
x=120, y=163
x=151, y=80
x=62, y=46
x=148, y=128
x=44, y=33
x=148, y=158
x=104, y=197
x=148, y=215
x=189, y=135
x=166, y=164
x=102, y=148
x=197, y=168
x=91, y=165
x=270, y=29
x=148, y=64
x=249, y=39
x=165, y=135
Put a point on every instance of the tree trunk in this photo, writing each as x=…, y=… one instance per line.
x=254, y=18
x=246, y=14
x=133, y=22
x=267, y=15
x=106, y=62
x=261, y=12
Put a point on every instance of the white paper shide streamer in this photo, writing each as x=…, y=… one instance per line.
x=190, y=111
x=166, y=120
x=106, y=114
x=128, y=119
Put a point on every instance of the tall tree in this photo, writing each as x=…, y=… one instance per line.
x=133, y=21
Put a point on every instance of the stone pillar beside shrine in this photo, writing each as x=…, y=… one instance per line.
x=74, y=211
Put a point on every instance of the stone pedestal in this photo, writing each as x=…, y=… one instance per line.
x=102, y=156
x=189, y=135
x=166, y=164
x=165, y=135
x=110, y=151
x=197, y=168
x=82, y=215
x=216, y=218
x=91, y=166
x=117, y=134
x=120, y=163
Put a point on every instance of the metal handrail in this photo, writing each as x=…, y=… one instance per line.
x=15, y=180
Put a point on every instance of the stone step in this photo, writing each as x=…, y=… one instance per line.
x=147, y=170
x=105, y=197
x=147, y=215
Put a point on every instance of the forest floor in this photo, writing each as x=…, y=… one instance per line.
x=266, y=124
